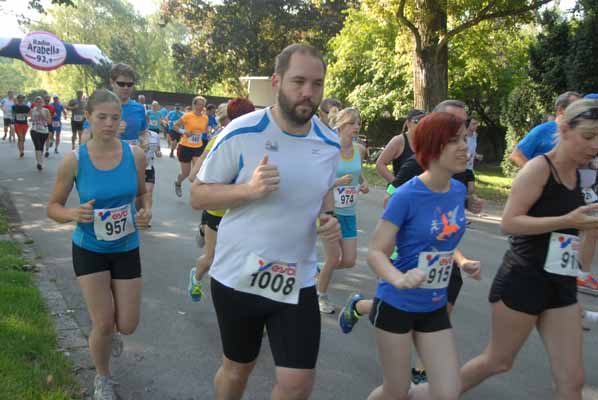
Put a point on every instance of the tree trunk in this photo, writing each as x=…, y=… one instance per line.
x=430, y=66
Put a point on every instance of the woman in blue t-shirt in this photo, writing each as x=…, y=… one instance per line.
x=425, y=220
x=109, y=176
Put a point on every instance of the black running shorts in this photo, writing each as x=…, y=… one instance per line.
x=186, y=154
x=150, y=175
x=293, y=329
x=455, y=283
x=125, y=265
x=393, y=320
x=212, y=221
x=532, y=292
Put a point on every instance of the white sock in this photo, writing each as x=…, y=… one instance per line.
x=591, y=316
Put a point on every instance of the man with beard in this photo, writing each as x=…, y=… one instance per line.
x=274, y=170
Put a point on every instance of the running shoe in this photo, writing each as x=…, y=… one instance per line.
x=200, y=237
x=178, y=190
x=418, y=376
x=56, y=150
x=21, y=155
x=348, y=316
x=195, y=289
x=103, y=388
x=117, y=344
x=47, y=154
x=326, y=307
x=589, y=283
x=39, y=167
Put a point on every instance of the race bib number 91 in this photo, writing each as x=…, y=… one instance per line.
x=562, y=254
x=113, y=223
x=437, y=266
x=274, y=280
x=345, y=196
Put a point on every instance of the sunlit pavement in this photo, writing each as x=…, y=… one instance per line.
x=176, y=349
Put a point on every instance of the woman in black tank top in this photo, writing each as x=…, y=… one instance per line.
x=535, y=285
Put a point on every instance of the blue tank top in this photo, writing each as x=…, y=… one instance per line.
x=112, y=188
x=345, y=197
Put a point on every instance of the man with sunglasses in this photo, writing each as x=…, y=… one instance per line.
x=540, y=139
x=77, y=109
x=133, y=119
x=398, y=149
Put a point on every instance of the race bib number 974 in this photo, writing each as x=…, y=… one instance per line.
x=111, y=224
x=345, y=196
x=562, y=254
x=274, y=280
x=437, y=266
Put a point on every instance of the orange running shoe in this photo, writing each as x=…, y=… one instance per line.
x=589, y=283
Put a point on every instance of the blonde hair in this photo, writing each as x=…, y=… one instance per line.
x=573, y=111
x=345, y=116
x=198, y=98
x=221, y=113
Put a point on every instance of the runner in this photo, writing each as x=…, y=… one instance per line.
x=325, y=107
x=212, y=122
x=108, y=175
x=261, y=277
x=59, y=111
x=399, y=147
x=193, y=126
x=77, y=109
x=6, y=105
x=133, y=121
x=349, y=183
x=468, y=177
x=164, y=122
x=425, y=219
x=21, y=112
x=173, y=136
x=535, y=286
x=154, y=116
x=211, y=218
x=40, y=120
x=149, y=141
x=48, y=106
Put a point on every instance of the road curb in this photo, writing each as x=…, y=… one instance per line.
x=71, y=340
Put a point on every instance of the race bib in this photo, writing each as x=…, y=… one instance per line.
x=437, y=266
x=274, y=280
x=77, y=118
x=154, y=122
x=21, y=117
x=345, y=196
x=56, y=124
x=562, y=254
x=195, y=139
x=589, y=196
x=131, y=141
x=113, y=223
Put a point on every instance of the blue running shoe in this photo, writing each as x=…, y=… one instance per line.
x=418, y=376
x=348, y=316
x=195, y=289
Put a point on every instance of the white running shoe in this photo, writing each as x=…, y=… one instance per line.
x=326, y=307
x=103, y=388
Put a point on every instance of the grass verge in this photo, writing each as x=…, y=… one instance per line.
x=491, y=184
x=31, y=367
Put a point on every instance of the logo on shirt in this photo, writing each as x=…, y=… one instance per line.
x=104, y=215
x=315, y=152
x=447, y=226
x=289, y=269
x=272, y=145
x=566, y=242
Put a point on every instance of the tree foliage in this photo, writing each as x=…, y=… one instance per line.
x=242, y=37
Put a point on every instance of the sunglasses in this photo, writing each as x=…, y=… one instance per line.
x=591, y=113
x=123, y=84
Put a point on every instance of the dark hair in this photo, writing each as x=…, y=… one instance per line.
x=100, y=96
x=415, y=112
x=210, y=107
x=328, y=103
x=443, y=105
x=284, y=58
x=432, y=134
x=239, y=106
x=121, y=69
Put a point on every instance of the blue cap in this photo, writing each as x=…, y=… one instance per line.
x=591, y=96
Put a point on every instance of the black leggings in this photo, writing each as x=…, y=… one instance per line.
x=39, y=139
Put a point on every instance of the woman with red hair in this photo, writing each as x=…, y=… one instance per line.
x=425, y=220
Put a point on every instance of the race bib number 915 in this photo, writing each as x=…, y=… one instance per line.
x=437, y=266
x=562, y=254
x=113, y=223
x=274, y=280
x=345, y=196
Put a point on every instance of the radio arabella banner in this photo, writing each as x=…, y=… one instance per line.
x=45, y=51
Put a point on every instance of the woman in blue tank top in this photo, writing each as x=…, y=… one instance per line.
x=109, y=177
x=349, y=183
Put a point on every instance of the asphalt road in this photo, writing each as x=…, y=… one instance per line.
x=176, y=349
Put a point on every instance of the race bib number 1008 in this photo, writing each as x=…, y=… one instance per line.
x=274, y=280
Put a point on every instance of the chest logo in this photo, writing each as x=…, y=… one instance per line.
x=447, y=226
x=272, y=145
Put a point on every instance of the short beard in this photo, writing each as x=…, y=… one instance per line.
x=289, y=111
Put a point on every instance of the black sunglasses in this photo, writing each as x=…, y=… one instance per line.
x=590, y=113
x=123, y=84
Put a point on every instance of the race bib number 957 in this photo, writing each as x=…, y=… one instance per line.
x=113, y=223
x=274, y=280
